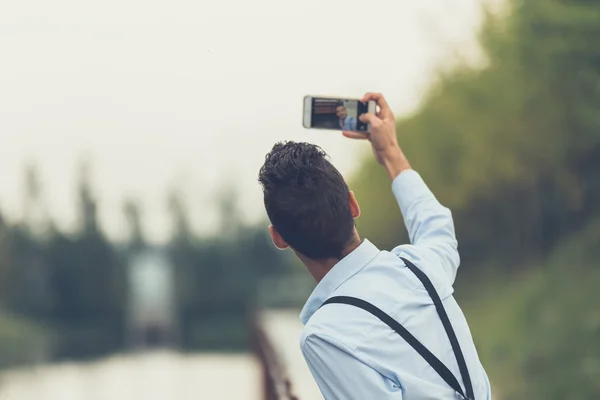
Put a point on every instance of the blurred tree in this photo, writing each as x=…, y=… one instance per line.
x=511, y=148
x=181, y=229
x=88, y=224
x=5, y=261
x=217, y=276
x=230, y=215
x=183, y=256
x=133, y=215
x=89, y=283
x=4, y=248
x=538, y=335
x=34, y=213
x=22, y=342
x=25, y=287
x=181, y=247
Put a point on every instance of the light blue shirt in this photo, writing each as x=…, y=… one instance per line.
x=351, y=353
x=349, y=124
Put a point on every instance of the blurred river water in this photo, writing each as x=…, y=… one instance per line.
x=166, y=374
x=155, y=375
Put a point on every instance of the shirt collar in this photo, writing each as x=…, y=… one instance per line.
x=341, y=271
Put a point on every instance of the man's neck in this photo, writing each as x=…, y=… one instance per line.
x=319, y=268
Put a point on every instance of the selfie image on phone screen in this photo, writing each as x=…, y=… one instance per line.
x=338, y=114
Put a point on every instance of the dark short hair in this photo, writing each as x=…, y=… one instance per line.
x=307, y=200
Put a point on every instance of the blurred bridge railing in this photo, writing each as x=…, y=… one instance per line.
x=277, y=384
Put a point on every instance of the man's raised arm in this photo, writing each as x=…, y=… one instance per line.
x=429, y=224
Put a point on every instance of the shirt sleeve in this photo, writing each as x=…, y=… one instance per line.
x=339, y=375
x=429, y=224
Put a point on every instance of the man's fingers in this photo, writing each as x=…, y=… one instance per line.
x=370, y=119
x=376, y=97
x=385, y=110
x=355, y=135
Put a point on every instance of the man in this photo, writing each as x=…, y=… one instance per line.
x=379, y=325
x=346, y=123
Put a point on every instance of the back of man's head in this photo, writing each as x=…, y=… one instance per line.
x=307, y=200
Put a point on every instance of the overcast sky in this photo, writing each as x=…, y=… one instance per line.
x=156, y=93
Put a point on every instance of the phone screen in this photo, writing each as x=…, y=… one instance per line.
x=338, y=114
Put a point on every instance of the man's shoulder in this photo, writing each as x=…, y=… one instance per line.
x=345, y=328
x=385, y=283
x=344, y=325
x=428, y=262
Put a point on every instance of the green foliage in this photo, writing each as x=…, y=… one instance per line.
x=21, y=342
x=217, y=277
x=513, y=148
x=73, y=285
x=538, y=335
x=88, y=283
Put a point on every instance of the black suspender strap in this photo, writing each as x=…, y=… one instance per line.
x=431, y=359
x=460, y=359
x=435, y=362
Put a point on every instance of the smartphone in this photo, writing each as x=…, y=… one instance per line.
x=335, y=113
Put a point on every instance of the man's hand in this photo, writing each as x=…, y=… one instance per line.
x=382, y=136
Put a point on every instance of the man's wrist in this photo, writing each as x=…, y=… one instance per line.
x=395, y=162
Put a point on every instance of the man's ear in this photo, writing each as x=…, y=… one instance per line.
x=277, y=239
x=354, y=208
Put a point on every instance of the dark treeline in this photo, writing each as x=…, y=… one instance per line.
x=64, y=295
